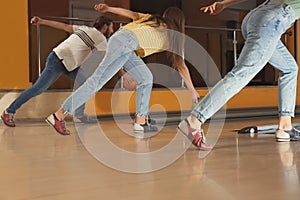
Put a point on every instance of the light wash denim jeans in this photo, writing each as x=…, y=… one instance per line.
x=136, y=67
x=262, y=29
x=53, y=70
x=120, y=52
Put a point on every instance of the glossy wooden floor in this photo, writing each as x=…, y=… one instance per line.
x=38, y=164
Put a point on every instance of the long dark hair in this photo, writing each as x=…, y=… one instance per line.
x=176, y=21
x=174, y=18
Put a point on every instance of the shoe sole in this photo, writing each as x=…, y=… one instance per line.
x=48, y=122
x=283, y=139
x=286, y=139
x=142, y=135
x=142, y=130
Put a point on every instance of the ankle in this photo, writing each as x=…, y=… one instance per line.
x=194, y=122
x=57, y=116
x=285, y=123
x=140, y=119
x=285, y=127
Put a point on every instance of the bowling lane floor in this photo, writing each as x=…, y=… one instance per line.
x=104, y=161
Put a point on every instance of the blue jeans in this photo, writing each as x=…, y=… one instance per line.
x=120, y=52
x=262, y=29
x=141, y=73
x=53, y=70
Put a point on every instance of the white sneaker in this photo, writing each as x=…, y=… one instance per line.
x=286, y=136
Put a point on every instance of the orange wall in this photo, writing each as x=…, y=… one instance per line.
x=14, y=45
x=176, y=100
x=15, y=64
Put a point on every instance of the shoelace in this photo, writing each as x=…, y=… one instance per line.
x=197, y=131
x=147, y=120
x=10, y=117
x=200, y=131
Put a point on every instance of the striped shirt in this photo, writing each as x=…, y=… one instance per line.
x=76, y=49
x=151, y=39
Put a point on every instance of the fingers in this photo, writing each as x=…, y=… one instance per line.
x=97, y=7
x=195, y=97
x=204, y=9
x=212, y=9
x=209, y=9
x=34, y=20
x=100, y=7
x=195, y=100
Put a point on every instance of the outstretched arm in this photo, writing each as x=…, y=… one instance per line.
x=58, y=25
x=116, y=10
x=218, y=7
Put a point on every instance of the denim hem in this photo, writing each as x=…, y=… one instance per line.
x=141, y=115
x=199, y=116
x=66, y=111
x=286, y=113
x=10, y=111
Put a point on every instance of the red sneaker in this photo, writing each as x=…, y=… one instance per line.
x=196, y=136
x=8, y=119
x=58, y=125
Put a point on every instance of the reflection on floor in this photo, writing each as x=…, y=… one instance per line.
x=104, y=161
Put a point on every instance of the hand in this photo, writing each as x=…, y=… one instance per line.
x=35, y=20
x=101, y=7
x=128, y=78
x=195, y=96
x=214, y=8
x=129, y=82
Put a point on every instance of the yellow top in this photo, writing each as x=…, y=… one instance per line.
x=151, y=39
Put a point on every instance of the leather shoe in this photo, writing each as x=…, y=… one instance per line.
x=58, y=125
x=8, y=119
